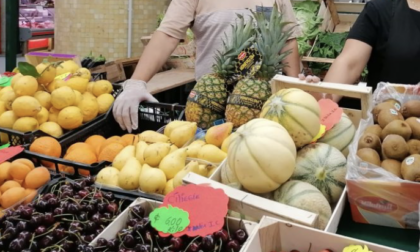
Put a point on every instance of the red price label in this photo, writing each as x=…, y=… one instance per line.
x=330, y=113
x=8, y=153
x=207, y=208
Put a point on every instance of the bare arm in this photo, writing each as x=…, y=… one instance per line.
x=156, y=53
x=349, y=64
x=292, y=60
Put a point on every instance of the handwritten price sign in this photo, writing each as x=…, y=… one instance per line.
x=169, y=220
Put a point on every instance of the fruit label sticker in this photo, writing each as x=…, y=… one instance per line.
x=397, y=106
x=409, y=160
x=247, y=65
x=330, y=113
x=393, y=111
x=63, y=77
x=356, y=248
x=8, y=153
x=169, y=220
x=320, y=133
x=206, y=102
x=246, y=101
x=207, y=208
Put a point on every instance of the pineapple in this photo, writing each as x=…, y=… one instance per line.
x=207, y=101
x=250, y=94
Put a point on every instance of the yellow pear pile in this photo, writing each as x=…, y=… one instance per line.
x=50, y=103
x=157, y=163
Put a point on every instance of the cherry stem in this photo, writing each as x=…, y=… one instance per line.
x=132, y=212
x=49, y=231
x=185, y=250
x=227, y=227
x=141, y=237
x=62, y=215
x=221, y=243
x=157, y=242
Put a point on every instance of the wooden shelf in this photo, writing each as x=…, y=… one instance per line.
x=170, y=79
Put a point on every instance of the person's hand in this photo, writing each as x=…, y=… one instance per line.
x=309, y=78
x=126, y=106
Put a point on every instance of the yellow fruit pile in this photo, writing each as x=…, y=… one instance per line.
x=157, y=163
x=52, y=104
x=19, y=180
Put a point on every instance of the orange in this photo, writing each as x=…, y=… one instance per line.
x=70, y=170
x=19, y=169
x=25, y=161
x=12, y=196
x=80, y=146
x=29, y=195
x=4, y=172
x=130, y=139
x=114, y=139
x=110, y=151
x=80, y=156
x=47, y=146
x=95, y=141
x=9, y=184
x=37, y=178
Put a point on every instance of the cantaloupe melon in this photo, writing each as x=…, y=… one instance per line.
x=341, y=135
x=262, y=155
x=324, y=167
x=306, y=197
x=227, y=175
x=295, y=110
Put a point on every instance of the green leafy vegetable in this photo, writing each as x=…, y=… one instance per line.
x=27, y=69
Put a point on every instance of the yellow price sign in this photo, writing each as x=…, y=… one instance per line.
x=356, y=248
x=62, y=76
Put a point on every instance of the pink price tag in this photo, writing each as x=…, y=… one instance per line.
x=330, y=113
x=8, y=153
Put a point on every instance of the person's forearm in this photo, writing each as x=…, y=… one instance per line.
x=292, y=61
x=156, y=53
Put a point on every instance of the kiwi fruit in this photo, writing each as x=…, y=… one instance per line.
x=414, y=146
x=370, y=156
x=369, y=140
x=374, y=129
x=395, y=147
x=410, y=168
x=411, y=108
x=393, y=166
x=397, y=127
x=389, y=104
x=388, y=115
x=414, y=124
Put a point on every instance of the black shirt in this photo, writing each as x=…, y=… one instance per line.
x=393, y=31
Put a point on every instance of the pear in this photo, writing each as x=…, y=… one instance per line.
x=155, y=152
x=173, y=148
x=140, y=147
x=123, y=156
x=203, y=170
x=217, y=134
x=172, y=125
x=211, y=172
x=169, y=187
x=150, y=136
x=211, y=153
x=108, y=176
x=194, y=147
x=191, y=167
x=128, y=178
x=173, y=163
x=152, y=180
x=183, y=134
x=226, y=142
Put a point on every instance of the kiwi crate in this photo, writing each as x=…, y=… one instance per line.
x=19, y=138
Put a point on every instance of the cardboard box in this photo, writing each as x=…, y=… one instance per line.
x=36, y=58
x=277, y=235
x=114, y=71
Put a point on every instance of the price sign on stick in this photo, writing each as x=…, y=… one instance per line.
x=8, y=153
x=330, y=113
x=169, y=220
x=206, y=207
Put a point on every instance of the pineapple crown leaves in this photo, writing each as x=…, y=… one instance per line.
x=270, y=41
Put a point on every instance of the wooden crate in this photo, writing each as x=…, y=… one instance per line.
x=277, y=235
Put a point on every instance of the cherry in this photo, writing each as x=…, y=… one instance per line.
x=222, y=234
x=139, y=227
x=81, y=247
x=63, y=204
x=67, y=194
x=48, y=196
x=89, y=249
x=194, y=247
x=73, y=208
x=8, y=224
x=36, y=220
x=83, y=216
x=10, y=233
x=40, y=230
x=107, y=216
x=102, y=207
x=98, y=231
x=96, y=218
x=79, y=185
x=144, y=248
x=98, y=195
x=163, y=241
x=113, y=244
x=208, y=242
x=108, y=195
x=59, y=233
x=112, y=208
x=138, y=210
x=89, y=180
x=146, y=222
x=83, y=193
x=46, y=241
x=49, y=219
x=68, y=245
x=234, y=246
x=91, y=208
x=58, y=211
x=101, y=242
x=132, y=222
x=77, y=197
x=75, y=226
x=176, y=243
x=25, y=235
x=90, y=227
x=88, y=238
x=241, y=236
x=16, y=245
x=21, y=226
x=52, y=203
x=129, y=241
x=41, y=205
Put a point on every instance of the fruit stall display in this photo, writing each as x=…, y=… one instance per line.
x=51, y=98
x=384, y=160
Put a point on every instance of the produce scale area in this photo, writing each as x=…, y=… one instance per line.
x=292, y=174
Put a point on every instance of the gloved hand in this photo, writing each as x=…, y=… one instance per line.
x=126, y=106
x=309, y=78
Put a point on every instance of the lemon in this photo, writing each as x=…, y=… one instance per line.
x=26, y=106
x=70, y=118
x=15, y=78
x=51, y=128
x=5, y=90
x=77, y=83
x=42, y=116
x=84, y=73
x=2, y=107
x=90, y=87
x=47, y=72
x=26, y=124
x=68, y=66
x=79, y=97
x=88, y=95
x=55, y=84
x=25, y=85
x=102, y=87
x=62, y=97
x=8, y=98
x=44, y=99
x=53, y=116
x=89, y=108
x=7, y=119
x=105, y=102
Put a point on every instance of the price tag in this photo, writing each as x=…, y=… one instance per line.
x=330, y=113
x=356, y=248
x=169, y=219
x=5, y=146
x=321, y=133
x=8, y=153
x=207, y=208
x=64, y=76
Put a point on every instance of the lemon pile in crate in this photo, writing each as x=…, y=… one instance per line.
x=157, y=162
x=52, y=97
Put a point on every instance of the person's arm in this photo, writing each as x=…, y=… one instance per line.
x=156, y=53
x=292, y=60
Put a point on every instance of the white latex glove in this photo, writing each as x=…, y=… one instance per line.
x=126, y=106
x=309, y=78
